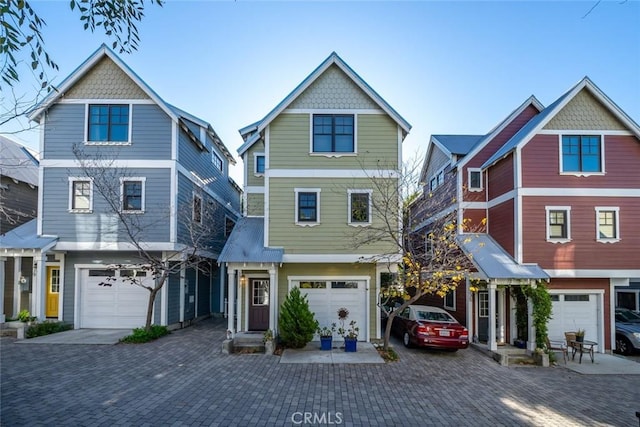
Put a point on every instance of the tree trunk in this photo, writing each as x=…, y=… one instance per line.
x=387, y=331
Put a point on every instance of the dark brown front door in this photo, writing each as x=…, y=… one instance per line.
x=259, y=305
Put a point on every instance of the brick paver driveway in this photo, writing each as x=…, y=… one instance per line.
x=184, y=379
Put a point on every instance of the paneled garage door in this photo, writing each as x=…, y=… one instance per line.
x=327, y=296
x=574, y=311
x=108, y=301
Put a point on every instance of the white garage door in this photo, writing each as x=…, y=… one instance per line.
x=574, y=311
x=327, y=296
x=108, y=301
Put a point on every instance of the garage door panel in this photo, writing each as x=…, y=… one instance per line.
x=119, y=305
x=326, y=300
x=571, y=312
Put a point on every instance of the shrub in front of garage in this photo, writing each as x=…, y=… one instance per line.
x=141, y=335
x=297, y=323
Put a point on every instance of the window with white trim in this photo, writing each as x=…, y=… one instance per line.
x=474, y=179
x=108, y=123
x=608, y=224
x=450, y=300
x=80, y=195
x=196, y=215
x=132, y=194
x=333, y=133
x=307, y=209
x=259, y=162
x=436, y=180
x=359, y=207
x=582, y=154
x=558, y=223
x=216, y=160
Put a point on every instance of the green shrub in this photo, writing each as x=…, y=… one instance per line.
x=141, y=335
x=46, y=328
x=297, y=323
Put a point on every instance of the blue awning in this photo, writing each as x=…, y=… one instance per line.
x=494, y=263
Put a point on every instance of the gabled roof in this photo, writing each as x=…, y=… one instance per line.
x=467, y=146
x=538, y=122
x=103, y=51
x=494, y=263
x=17, y=162
x=333, y=59
x=246, y=244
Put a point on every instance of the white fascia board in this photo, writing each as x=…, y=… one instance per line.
x=331, y=173
x=581, y=192
x=116, y=246
x=333, y=258
x=532, y=100
x=254, y=189
x=617, y=273
x=115, y=163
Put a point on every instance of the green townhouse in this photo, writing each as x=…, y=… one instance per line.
x=309, y=171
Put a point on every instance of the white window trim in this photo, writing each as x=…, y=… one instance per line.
x=73, y=179
x=581, y=133
x=216, y=158
x=332, y=154
x=307, y=190
x=193, y=202
x=255, y=164
x=142, y=202
x=469, y=187
x=444, y=301
x=567, y=209
x=86, y=122
x=349, y=219
x=614, y=209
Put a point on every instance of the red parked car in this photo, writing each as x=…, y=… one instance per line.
x=427, y=326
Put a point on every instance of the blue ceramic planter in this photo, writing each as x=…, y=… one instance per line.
x=350, y=345
x=325, y=343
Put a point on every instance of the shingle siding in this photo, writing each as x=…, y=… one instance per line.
x=106, y=81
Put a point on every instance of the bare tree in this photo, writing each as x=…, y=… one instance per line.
x=429, y=260
x=23, y=50
x=199, y=222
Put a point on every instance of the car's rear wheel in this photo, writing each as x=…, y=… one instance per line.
x=406, y=340
x=623, y=345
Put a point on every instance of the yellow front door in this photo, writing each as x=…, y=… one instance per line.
x=53, y=291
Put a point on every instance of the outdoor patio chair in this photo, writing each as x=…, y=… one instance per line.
x=570, y=337
x=558, y=346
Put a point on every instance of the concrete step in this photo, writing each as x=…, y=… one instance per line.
x=248, y=342
x=519, y=359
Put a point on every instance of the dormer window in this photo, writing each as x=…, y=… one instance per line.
x=333, y=133
x=108, y=123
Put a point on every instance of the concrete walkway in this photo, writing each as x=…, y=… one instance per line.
x=81, y=336
x=603, y=364
x=366, y=354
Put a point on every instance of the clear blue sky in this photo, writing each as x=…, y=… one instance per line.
x=446, y=67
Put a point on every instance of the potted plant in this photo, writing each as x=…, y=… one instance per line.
x=326, y=336
x=350, y=335
x=268, y=341
x=580, y=335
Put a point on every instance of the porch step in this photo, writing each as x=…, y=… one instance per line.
x=248, y=342
x=519, y=360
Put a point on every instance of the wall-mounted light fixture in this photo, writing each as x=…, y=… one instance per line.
x=243, y=280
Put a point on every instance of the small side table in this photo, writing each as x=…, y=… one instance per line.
x=582, y=347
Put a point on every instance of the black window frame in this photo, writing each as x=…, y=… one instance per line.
x=580, y=146
x=258, y=164
x=74, y=195
x=302, y=207
x=366, y=207
x=552, y=215
x=126, y=205
x=108, y=121
x=320, y=129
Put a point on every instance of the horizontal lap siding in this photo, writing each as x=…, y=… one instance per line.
x=255, y=204
x=65, y=126
x=541, y=164
x=488, y=150
x=252, y=179
x=19, y=203
x=501, y=225
x=501, y=177
x=289, y=146
x=583, y=252
x=332, y=235
x=101, y=225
